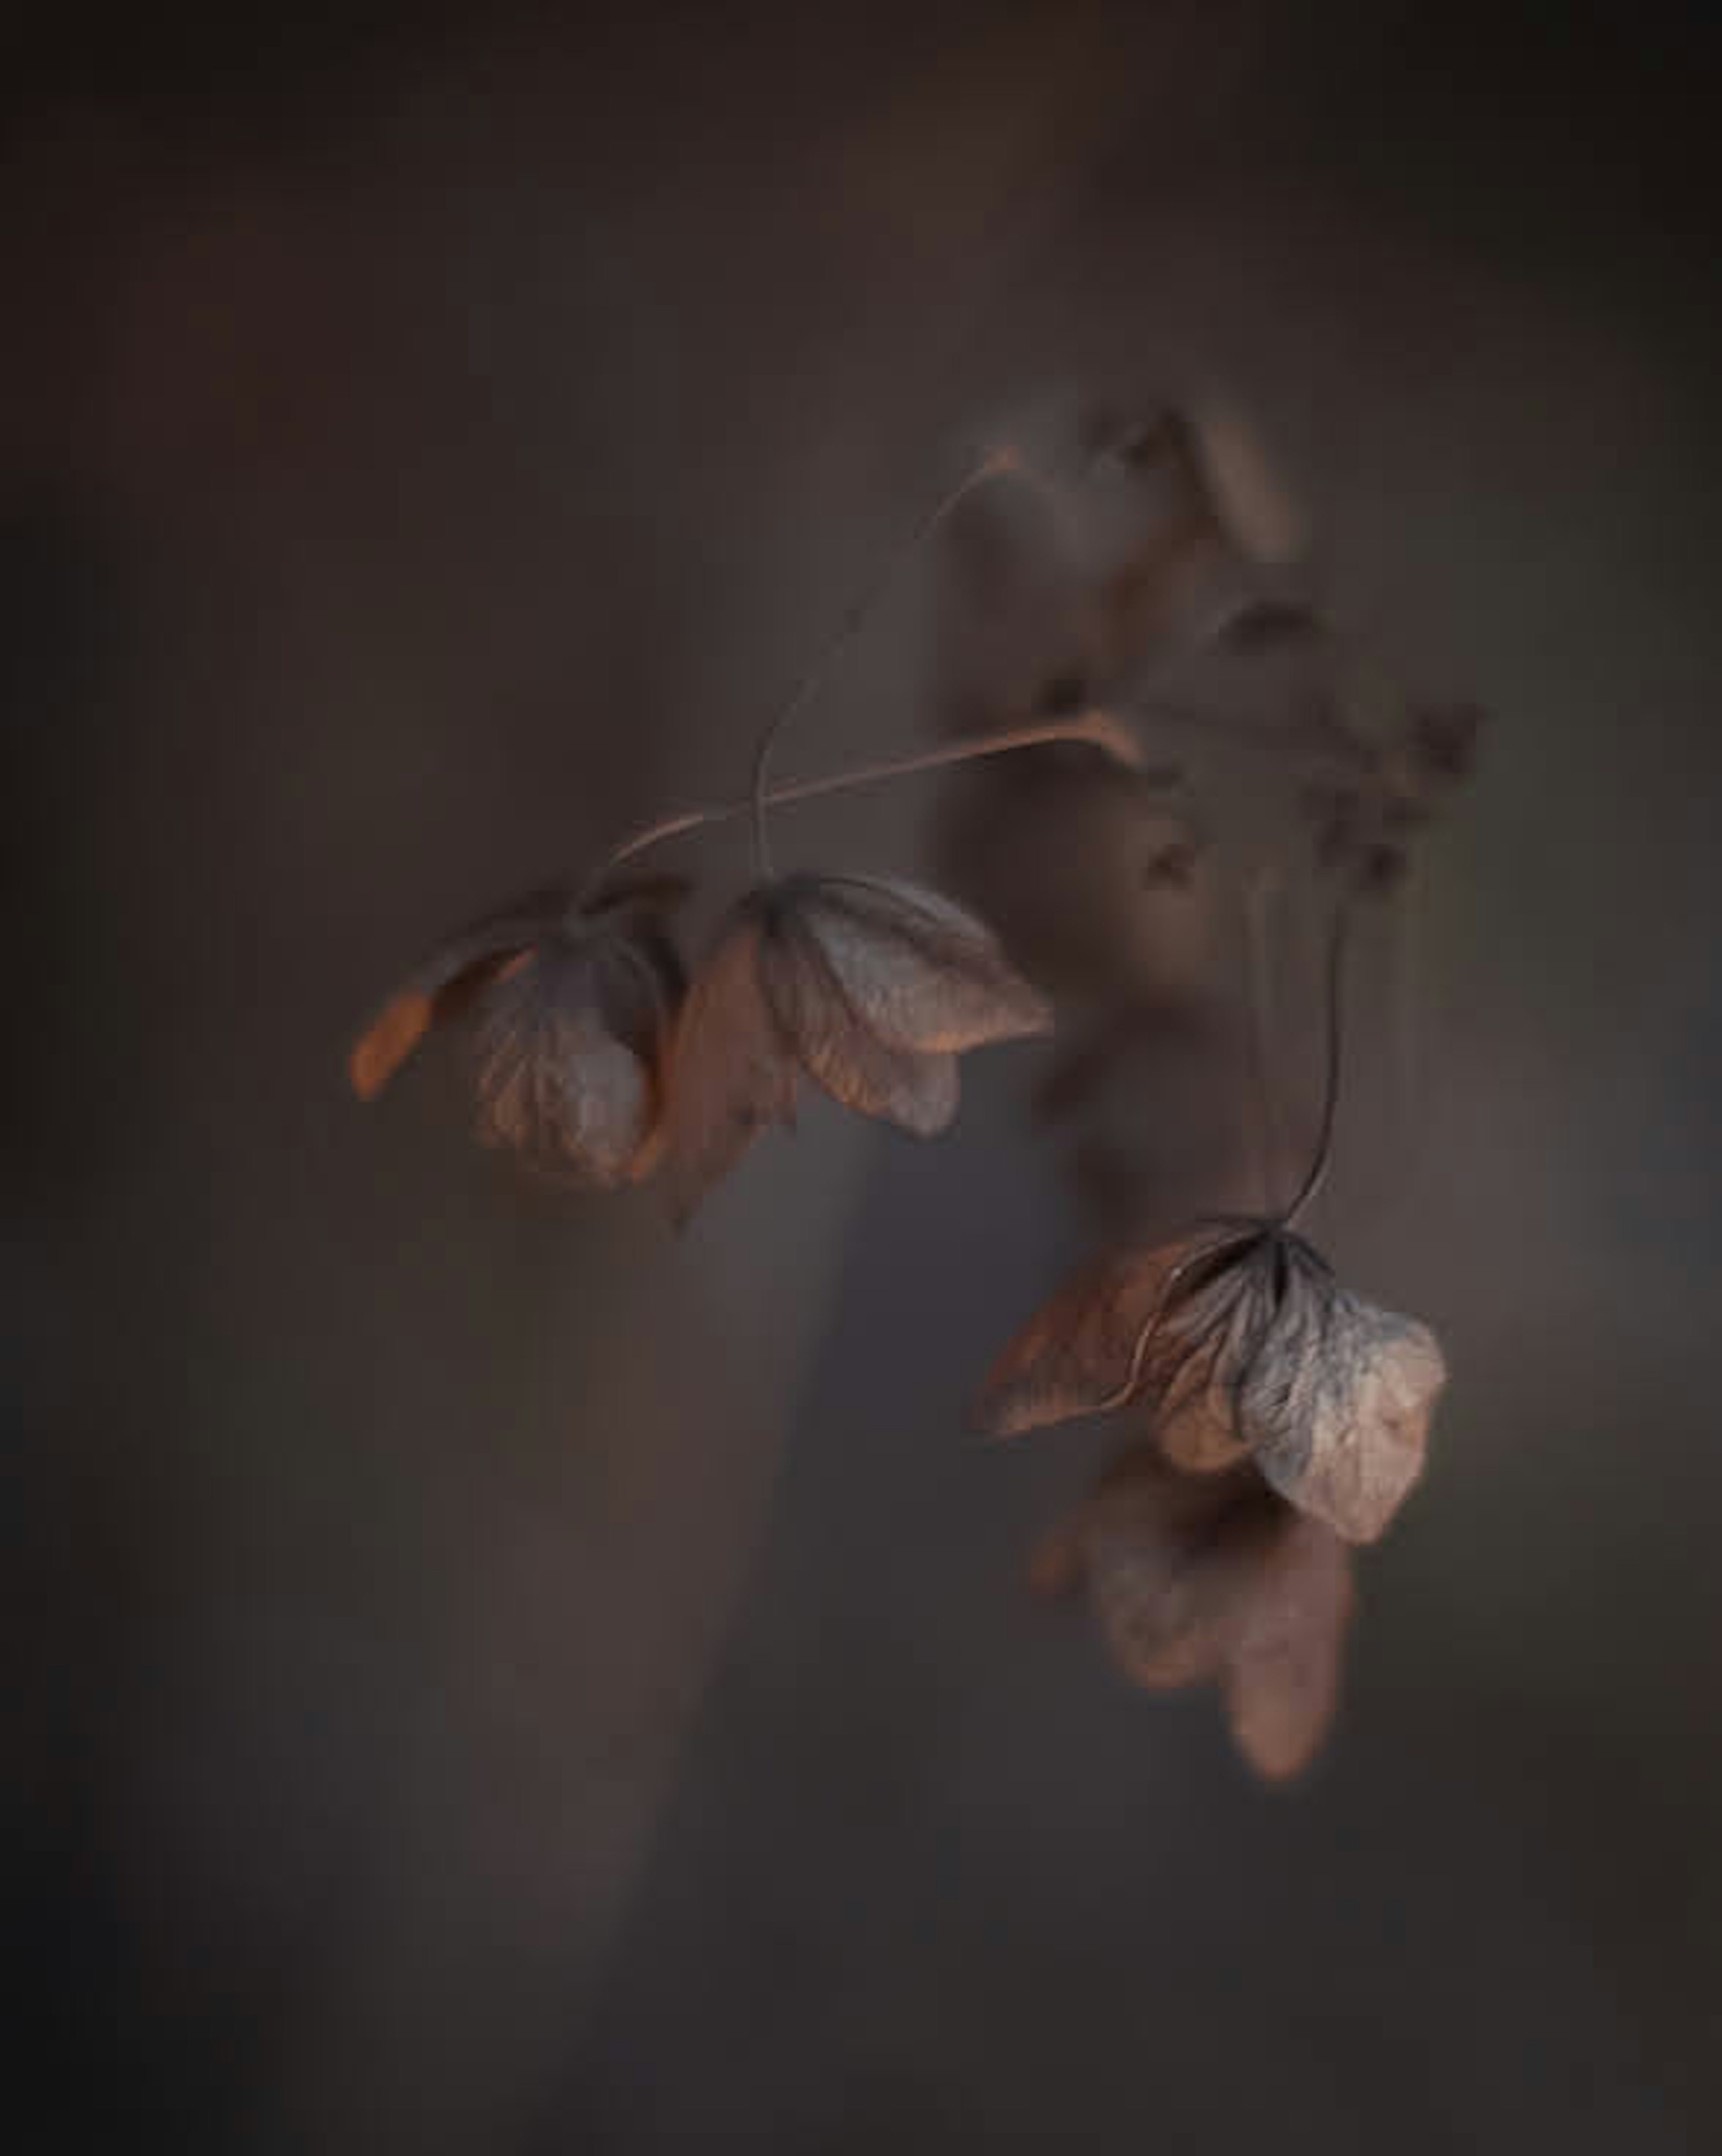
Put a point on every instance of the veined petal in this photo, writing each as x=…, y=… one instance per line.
x=1115, y=1333
x=730, y=1072
x=1338, y=1408
x=922, y=972
x=835, y=1045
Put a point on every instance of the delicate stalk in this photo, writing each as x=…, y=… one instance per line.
x=1000, y=462
x=1259, y=978
x=1316, y=1173
x=1097, y=726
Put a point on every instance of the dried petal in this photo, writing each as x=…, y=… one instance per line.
x=839, y=1049
x=447, y=983
x=1337, y=1406
x=1170, y=1560
x=1212, y=1578
x=1282, y=1683
x=1103, y=1339
x=731, y=1070
x=568, y=1048
x=923, y=973
x=868, y=988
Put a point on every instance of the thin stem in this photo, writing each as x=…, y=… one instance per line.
x=1258, y=979
x=993, y=466
x=1316, y=1173
x=1098, y=726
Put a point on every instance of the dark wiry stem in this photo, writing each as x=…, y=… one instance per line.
x=1316, y=1173
x=1259, y=973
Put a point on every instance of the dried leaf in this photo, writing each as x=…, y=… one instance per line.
x=1238, y=1339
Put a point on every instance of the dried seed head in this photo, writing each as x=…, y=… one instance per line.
x=869, y=986
x=1212, y=1578
x=1238, y=1339
x=574, y=1005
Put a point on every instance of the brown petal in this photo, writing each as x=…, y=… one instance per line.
x=730, y=1071
x=1196, y=1424
x=1105, y=1337
x=1171, y=1562
x=1164, y=1609
x=923, y=973
x=1338, y=1404
x=1213, y=1578
x=557, y=1085
x=837, y=1047
x=1282, y=1684
x=446, y=984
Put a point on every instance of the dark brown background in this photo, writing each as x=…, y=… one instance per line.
x=490, y=1677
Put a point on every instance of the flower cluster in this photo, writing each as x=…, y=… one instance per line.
x=1275, y=1419
x=1241, y=1344
x=597, y=1058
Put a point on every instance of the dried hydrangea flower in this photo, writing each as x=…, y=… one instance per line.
x=868, y=986
x=574, y=1006
x=1212, y=1578
x=1238, y=1339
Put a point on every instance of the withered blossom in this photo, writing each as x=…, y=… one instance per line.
x=868, y=986
x=573, y=1003
x=1238, y=1340
x=1212, y=1578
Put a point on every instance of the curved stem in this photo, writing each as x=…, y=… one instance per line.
x=1097, y=726
x=993, y=466
x=1316, y=1173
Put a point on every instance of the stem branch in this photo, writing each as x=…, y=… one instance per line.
x=1097, y=726
x=1000, y=462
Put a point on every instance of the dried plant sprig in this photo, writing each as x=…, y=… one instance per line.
x=1102, y=729
x=869, y=987
x=1238, y=1340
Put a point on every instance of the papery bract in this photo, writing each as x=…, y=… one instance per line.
x=868, y=986
x=1212, y=1578
x=574, y=1006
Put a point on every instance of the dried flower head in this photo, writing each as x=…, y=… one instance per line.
x=574, y=1005
x=868, y=986
x=1239, y=1340
x=1212, y=1578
